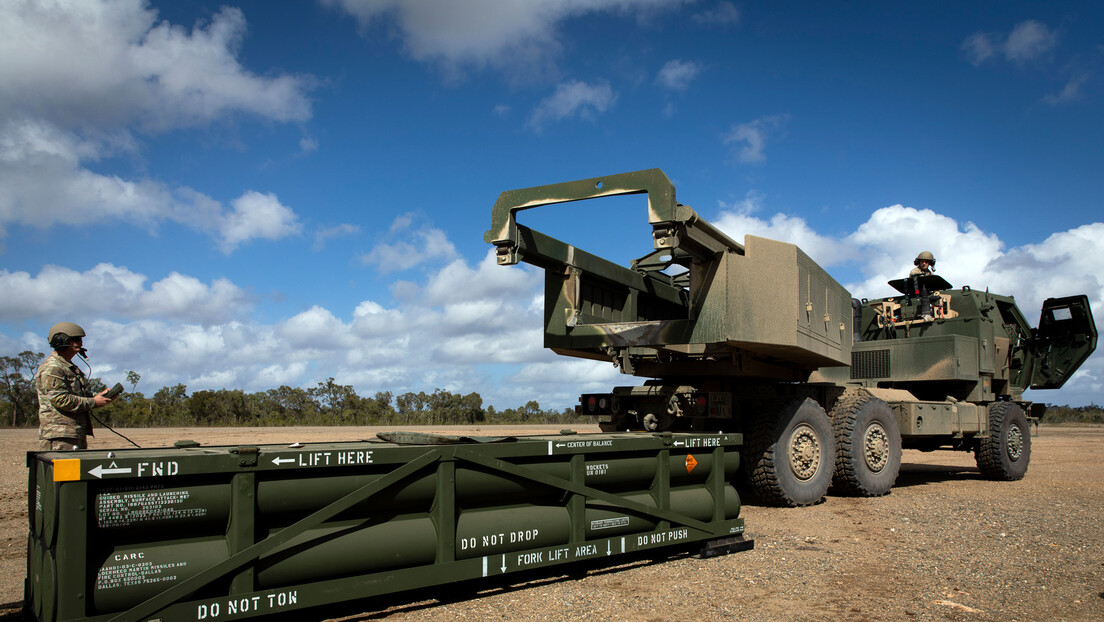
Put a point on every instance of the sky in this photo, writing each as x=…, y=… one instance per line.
x=248, y=194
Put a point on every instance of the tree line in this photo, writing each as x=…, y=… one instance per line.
x=326, y=403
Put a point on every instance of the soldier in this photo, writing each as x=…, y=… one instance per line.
x=64, y=401
x=925, y=264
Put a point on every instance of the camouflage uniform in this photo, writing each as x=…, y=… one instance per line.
x=64, y=405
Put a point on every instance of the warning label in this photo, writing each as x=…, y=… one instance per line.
x=690, y=463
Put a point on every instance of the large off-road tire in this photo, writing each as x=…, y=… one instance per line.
x=790, y=453
x=868, y=446
x=1005, y=454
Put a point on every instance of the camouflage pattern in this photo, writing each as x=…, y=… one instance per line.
x=61, y=444
x=64, y=403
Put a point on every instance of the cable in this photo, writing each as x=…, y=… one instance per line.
x=113, y=430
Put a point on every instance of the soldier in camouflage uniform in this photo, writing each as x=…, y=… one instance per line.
x=65, y=402
x=925, y=264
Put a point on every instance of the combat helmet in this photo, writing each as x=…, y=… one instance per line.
x=924, y=256
x=62, y=333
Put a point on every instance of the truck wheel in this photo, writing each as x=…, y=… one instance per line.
x=790, y=454
x=1006, y=452
x=868, y=446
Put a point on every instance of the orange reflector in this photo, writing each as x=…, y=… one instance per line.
x=690, y=463
x=67, y=470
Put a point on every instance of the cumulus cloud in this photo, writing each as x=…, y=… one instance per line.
x=416, y=248
x=255, y=215
x=316, y=328
x=738, y=219
x=883, y=247
x=892, y=237
x=81, y=79
x=574, y=98
x=516, y=37
x=749, y=140
x=478, y=327
x=419, y=345
x=487, y=281
x=47, y=185
x=677, y=74
x=1027, y=41
x=111, y=64
x=115, y=291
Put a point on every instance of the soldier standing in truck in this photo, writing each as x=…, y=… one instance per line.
x=925, y=264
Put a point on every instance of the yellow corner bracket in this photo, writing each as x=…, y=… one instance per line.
x=67, y=470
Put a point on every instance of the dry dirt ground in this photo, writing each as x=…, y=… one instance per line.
x=945, y=545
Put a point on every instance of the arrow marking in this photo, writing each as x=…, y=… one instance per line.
x=99, y=471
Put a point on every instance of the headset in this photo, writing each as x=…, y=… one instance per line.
x=60, y=340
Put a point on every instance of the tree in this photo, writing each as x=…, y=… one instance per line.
x=295, y=406
x=336, y=401
x=133, y=377
x=412, y=403
x=169, y=405
x=17, y=385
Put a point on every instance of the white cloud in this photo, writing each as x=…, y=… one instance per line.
x=487, y=335
x=1028, y=40
x=344, y=229
x=316, y=328
x=574, y=98
x=502, y=34
x=419, y=247
x=421, y=344
x=979, y=47
x=721, y=14
x=97, y=64
x=114, y=291
x=255, y=215
x=750, y=139
x=80, y=78
x=892, y=237
x=308, y=144
x=487, y=281
x=1070, y=92
x=677, y=74
x=737, y=220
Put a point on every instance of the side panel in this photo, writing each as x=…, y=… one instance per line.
x=941, y=418
x=215, y=533
x=947, y=357
x=783, y=305
x=926, y=418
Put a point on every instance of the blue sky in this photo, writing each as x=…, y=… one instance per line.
x=251, y=194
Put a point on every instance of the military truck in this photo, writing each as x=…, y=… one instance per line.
x=757, y=338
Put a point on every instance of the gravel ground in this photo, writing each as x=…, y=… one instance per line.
x=945, y=545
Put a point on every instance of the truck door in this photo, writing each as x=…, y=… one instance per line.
x=1066, y=336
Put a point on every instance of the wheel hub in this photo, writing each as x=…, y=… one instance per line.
x=804, y=452
x=1015, y=442
x=876, y=447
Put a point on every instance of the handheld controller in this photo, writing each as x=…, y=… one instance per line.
x=115, y=391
